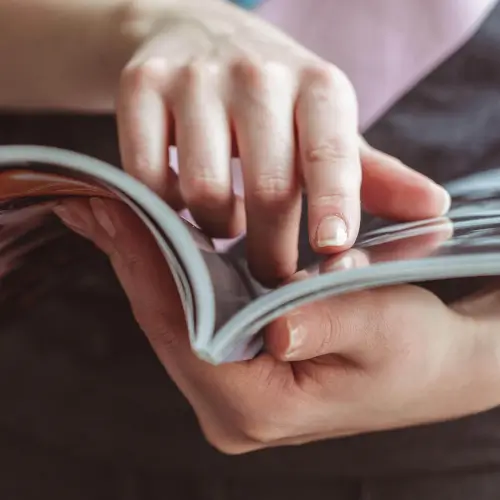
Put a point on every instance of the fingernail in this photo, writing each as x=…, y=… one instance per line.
x=332, y=232
x=296, y=336
x=73, y=218
x=446, y=202
x=102, y=215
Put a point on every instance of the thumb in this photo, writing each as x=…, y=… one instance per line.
x=139, y=266
x=362, y=327
x=392, y=190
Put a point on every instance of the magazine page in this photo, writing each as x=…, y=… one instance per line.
x=33, y=180
x=225, y=308
x=464, y=244
x=27, y=196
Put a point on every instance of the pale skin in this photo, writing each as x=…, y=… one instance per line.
x=370, y=361
x=216, y=81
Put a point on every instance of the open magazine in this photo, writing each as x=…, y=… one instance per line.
x=225, y=308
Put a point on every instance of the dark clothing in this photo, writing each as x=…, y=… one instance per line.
x=89, y=413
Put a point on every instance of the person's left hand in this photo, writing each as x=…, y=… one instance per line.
x=369, y=361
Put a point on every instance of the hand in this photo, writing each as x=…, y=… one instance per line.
x=215, y=79
x=370, y=361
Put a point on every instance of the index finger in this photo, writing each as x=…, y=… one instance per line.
x=327, y=126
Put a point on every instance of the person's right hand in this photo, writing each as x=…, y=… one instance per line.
x=215, y=80
x=374, y=360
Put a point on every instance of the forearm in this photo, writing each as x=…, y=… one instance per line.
x=63, y=54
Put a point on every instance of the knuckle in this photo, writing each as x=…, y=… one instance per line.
x=262, y=84
x=195, y=73
x=279, y=420
x=242, y=432
x=223, y=440
x=251, y=74
x=330, y=326
x=273, y=190
x=148, y=74
x=243, y=439
x=334, y=149
x=265, y=428
x=263, y=433
x=246, y=68
x=205, y=190
x=275, y=425
x=327, y=75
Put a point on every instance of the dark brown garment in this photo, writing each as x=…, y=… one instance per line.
x=88, y=412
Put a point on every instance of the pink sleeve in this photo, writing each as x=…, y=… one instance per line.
x=384, y=46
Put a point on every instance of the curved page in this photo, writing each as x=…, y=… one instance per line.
x=34, y=179
x=464, y=244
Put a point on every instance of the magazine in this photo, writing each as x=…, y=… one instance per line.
x=226, y=309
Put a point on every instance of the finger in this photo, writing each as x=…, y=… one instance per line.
x=263, y=120
x=142, y=118
x=137, y=260
x=326, y=119
x=363, y=327
x=413, y=247
x=392, y=190
x=204, y=147
x=431, y=237
x=353, y=258
x=174, y=197
x=416, y=246
x=145, y=277
x=214, y=392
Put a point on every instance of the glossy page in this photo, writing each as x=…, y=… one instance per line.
x=465, y=244
x=33, y=240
